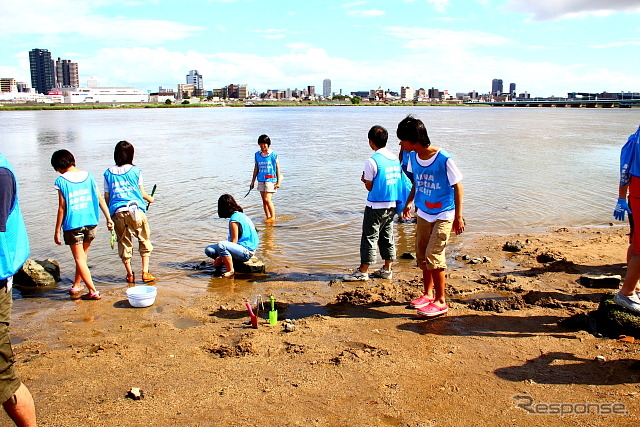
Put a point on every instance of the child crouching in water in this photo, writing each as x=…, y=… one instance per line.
x=78, y=204
x=124, y=192
x=242, y=241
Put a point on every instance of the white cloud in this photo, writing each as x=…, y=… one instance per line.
x=441, y=40
x=546, y=10
x=439, y=5
x=365, y=13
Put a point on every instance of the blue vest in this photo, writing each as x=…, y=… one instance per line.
x=267, y=167
x=386, y=183
x=248, y=235
x=82, y=202
x=123, y=189
x=630, y=158
x=14, y=243
x=434, y=193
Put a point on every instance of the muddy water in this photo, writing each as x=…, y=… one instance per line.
x=523, y=169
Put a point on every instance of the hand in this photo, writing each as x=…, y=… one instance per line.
x=406, y=212
x=56, y=237
x=151, y=199
x=621, y=208
x=276, y=185
x=109, y=225
x=251, y=186
x=458, y=225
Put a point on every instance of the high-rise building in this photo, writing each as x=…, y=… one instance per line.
x=43, y=78
x=406, y=92
x=496, y=87
x=194, y=78
x=326, y=88
x=8, y=84
x=67, y=74
x=311, y=90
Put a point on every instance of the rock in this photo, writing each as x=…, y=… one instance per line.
x=289, y=325
x=135, y=394
x=253, y=266
x=476, y=261
x=408, y=255
x=510, y=246
x=614, y=320
x=466, y=257
x=549, y=256
x=601, y=359
x=609, y=282
x=486, y=259
x=38, y=273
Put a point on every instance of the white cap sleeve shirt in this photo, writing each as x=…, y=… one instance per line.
x=370, y=172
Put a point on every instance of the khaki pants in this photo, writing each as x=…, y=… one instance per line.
x=431, y=241
x=126, y=228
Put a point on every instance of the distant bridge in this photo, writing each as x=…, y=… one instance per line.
x=568, y=102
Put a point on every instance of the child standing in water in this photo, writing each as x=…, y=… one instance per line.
x=242, y=241
x=78, y=204
x=267, y=171
x=124, y=192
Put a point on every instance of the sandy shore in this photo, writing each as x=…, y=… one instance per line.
x=364, y=360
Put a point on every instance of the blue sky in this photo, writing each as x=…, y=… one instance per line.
x=546, y=47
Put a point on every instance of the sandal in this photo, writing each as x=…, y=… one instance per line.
x=91, y=296
x=75, y=291
x=131, y=278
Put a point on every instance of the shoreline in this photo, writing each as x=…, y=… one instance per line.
x=355, y=351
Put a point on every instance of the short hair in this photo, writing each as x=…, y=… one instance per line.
x=123, y=153
x=264, y=139
x=413, y=130
x=227, y=206
x=378, y=135
x=62, y=159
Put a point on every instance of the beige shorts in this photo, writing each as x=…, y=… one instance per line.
x=79, y=235
x=126, y=228
x=267, y=187
x=431, y=241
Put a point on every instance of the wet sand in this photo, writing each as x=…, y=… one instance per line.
x=357, y=355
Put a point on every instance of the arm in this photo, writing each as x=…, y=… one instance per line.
x=279, y=175
x=622, y=206
x=367, y=184
x=61, y=210
x=458, y=195
x=7, y=195
x=255, y=174
x=406, y=212
x=147, y=197
x=105, y=212
x=234, y=233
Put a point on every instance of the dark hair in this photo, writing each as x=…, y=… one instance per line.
x=413, y=130
x=123, y=153
x=227, y=206
x=62, y=159
x=378, y=135
x=264, y=139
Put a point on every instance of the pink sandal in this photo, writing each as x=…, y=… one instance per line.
x=91, y=296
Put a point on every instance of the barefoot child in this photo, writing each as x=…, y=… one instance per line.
x=78, y=204
x=242, y=241
x=124, y=192
x=438, y=193
x=267, y=171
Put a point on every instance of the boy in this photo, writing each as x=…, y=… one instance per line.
x=15, y=397
x=382, y=178
x=267, y=171
x=78, y=203
x=438, y=193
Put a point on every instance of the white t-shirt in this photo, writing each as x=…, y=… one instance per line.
x=453, y=174
x=75, y=177
x=120, y=170
x=370, y=172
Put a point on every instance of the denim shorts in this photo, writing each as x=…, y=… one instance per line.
x=79, y=235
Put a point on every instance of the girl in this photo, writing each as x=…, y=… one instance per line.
x=267, y=171
x=125, y=195
x=242, y=241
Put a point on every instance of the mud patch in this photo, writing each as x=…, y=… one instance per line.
x=358, y=352
x=386, y=293
x=500, y=305
x=238, y=350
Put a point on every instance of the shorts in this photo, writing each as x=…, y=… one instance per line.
x=9, y=381
x=79, y=235
x=267, y=187
x=128, y=226
x=431, y=241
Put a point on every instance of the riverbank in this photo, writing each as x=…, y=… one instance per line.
x=357, y=355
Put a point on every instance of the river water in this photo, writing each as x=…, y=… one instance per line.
x=525, y=169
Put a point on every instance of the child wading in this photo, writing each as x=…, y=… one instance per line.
x=382, y=177
x=438, y=193
x=124, y=192
x=242, y=241
x=78, y=203
x=267, y=172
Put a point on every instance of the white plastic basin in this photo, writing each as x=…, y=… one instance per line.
x=142, y=296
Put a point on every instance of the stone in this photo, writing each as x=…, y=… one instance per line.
x=614, y=320
x=609, y=282
x=408, y=255
x=135, y=394
x=38, y=273
x=511, y=246
x=253, y=266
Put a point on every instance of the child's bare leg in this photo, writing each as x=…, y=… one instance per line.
x=427, y=281
x=439, y=279
x=78, y=279
x=227, y=261
x=82, y=269
x=145, y=262
x=267, y=205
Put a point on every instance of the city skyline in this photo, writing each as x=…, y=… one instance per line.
x=548, y=48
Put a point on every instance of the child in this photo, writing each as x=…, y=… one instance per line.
x=78, y=204
x=242, y=241
x=267, y=171
x=438, y=193
x=382, y=177
x=124, y=192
